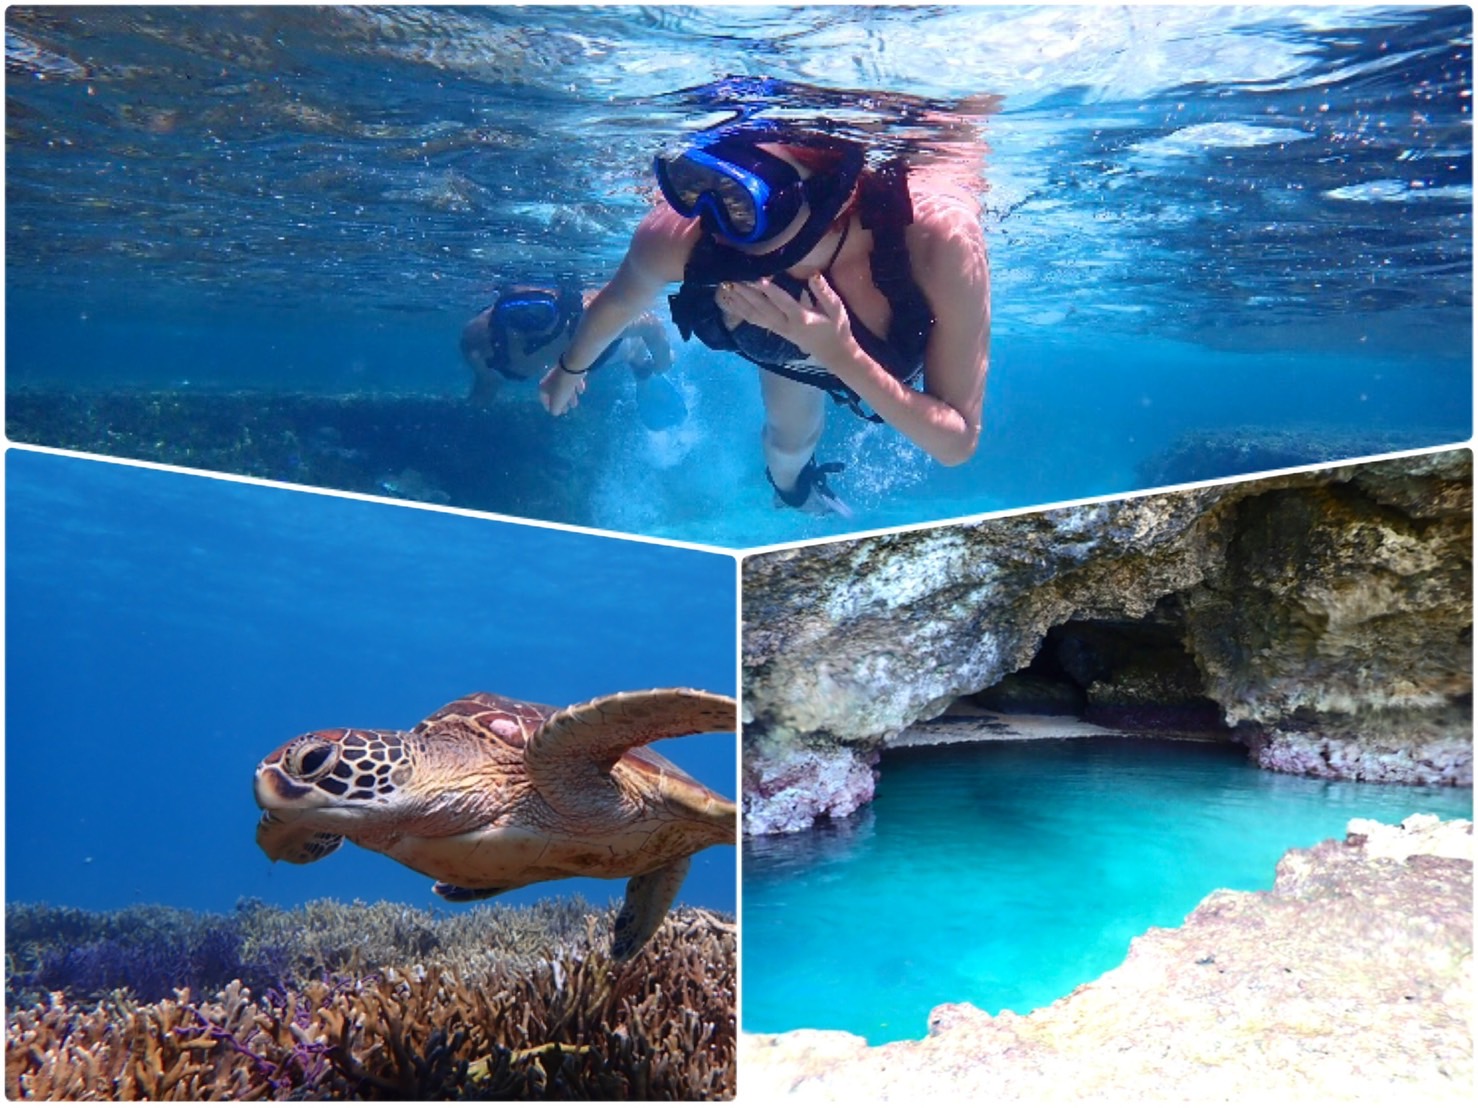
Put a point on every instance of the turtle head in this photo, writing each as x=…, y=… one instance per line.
x=320, y=786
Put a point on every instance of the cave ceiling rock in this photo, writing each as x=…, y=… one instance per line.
x=1346, y=590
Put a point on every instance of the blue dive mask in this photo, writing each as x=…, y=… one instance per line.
x=535, y=315
x=527, y=312
x=747, y=195
x=739, y=191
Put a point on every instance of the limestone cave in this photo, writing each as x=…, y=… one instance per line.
x=1322, y=619
x=1124, y=674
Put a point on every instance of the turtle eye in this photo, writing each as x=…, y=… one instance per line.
x=311, y=760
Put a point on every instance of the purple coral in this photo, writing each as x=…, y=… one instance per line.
x=149, y=951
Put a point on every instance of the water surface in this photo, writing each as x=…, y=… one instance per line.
x=1006, y=874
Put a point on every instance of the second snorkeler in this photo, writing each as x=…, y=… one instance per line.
x=867, y=285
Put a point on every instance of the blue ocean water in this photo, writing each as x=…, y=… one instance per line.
x=1007, y=874
x=164, y=632
x=1250, y=221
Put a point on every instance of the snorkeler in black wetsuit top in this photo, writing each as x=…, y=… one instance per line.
x=873, y=287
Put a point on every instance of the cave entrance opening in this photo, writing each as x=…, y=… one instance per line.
x=1123, y=674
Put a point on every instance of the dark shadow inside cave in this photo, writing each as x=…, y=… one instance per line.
x=1125, y=674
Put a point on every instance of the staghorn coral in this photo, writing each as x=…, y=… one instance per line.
x=331, y=937
x=148, y=950
x=152, y=950
x=572, y=1026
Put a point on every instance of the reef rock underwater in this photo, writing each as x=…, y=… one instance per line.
x=424, y=448
x=365, y=1001
x=1321, y=619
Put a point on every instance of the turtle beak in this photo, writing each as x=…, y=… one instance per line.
x=274, y=789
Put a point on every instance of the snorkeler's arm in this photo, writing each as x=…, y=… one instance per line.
x=952, y=268
x=658, y=252
x=944, y=419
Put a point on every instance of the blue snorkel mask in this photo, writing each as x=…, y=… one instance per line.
x=748, y=195
x=536, y=315
x=739, y=191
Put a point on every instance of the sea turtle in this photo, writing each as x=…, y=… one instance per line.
x=490, y=794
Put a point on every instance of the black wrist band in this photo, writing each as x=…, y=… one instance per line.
x=572, y=372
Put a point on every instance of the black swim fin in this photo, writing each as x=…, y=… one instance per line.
x=811, y=493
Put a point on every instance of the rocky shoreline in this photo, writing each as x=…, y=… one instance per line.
x=985, y=727
x=966, y=722
x=1352, y=979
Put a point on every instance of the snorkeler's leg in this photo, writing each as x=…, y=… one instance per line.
x=794, y=417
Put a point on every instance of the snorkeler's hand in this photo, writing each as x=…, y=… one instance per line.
x=817, y=322
x=831, y=326
x=560, y=391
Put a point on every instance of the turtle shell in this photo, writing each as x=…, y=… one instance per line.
x=514, y=724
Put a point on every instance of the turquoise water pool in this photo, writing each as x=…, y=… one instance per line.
x=1007, y=874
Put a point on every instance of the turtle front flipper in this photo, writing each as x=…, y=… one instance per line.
x=577, y=746
x=284, y=842
x=459, y=894
x=648, y=897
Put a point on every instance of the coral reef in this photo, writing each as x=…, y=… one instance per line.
x=438, y=450
x=1351, y=979
x=152, y=950
x=503, y=1003
x=1325, y=617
